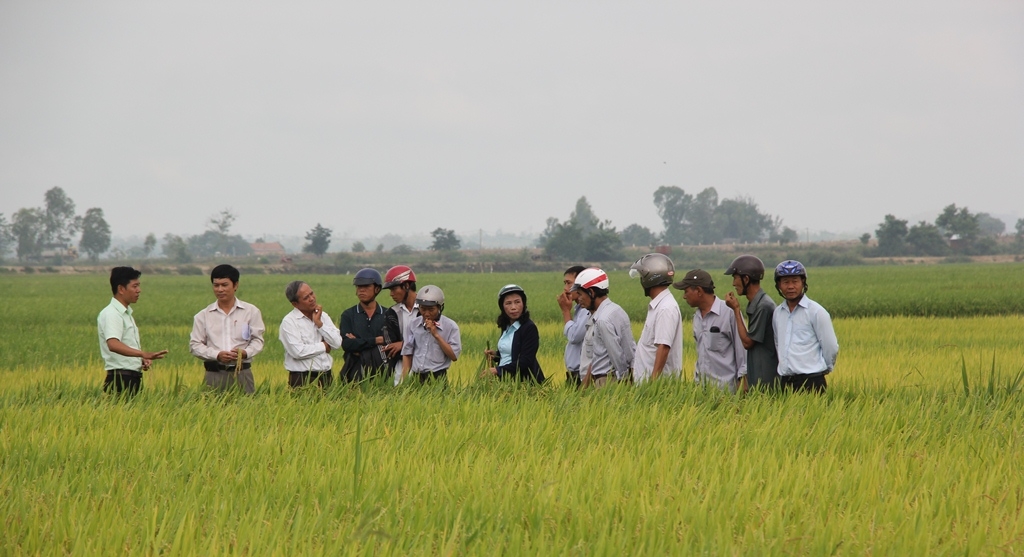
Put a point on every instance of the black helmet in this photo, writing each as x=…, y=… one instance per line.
x=367, y=276
x=747, y=265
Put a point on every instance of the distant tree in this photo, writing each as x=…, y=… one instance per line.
x=148, y=245
x=319, y=239
x=358, y=247
x=636, y=235
x=602, y=244
x=989, y=225
x=379, y=248
x=402, y=249
x=564, y=240
x=60, y=224
x=865, y=238
x=673, y=206
x=891, y=234
x=176, y=249
x=703, y=229
x=6, y=236
x=584, y=217
x=445, y=240
x=213, y=243
x=95, y=233
x=924, y=238
x=1019, y=228
x=958, y=222
x=221, y=222
x=783, y=235
x=390, y=240
x=740, y=219
x=27, y=227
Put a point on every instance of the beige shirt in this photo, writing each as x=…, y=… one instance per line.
x=214, y=331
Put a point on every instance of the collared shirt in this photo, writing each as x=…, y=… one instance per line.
x=426, y=353
x=762, y=360
x=214, y=331
x=405, y=317
x=303, y=342
x=609, y=343
x=720, y=354
x=804, y=338
x=505, y=343
x=574, y=330
x=116, y=321
x=664, y=325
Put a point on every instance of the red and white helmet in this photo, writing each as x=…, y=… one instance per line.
x=590, y=278
x=397, y=275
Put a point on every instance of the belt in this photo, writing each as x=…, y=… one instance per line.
x=311, y=371
x=217, y=366
x=422, y=371
x=596, y=377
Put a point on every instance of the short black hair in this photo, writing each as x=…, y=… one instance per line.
x=225, y=271
x=596, y=292
x=121, y=276
x=574, y=270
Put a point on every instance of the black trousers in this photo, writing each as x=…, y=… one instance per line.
x=811, y=383
x=428, y=376
x=573, y=379
x=300, y=378
x=123, y=381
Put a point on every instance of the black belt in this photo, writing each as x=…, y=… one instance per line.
x=596, y=377
x=421, y=372
x=124, y=372
x=217, y=366
x=311, y=371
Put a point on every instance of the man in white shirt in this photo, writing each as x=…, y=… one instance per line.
x=400, y=282
x=227, y=334
x=308, y=336
x=660, y=349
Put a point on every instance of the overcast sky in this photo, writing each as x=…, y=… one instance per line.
x=378, y=117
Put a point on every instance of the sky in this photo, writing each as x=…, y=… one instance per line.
x=399, y=117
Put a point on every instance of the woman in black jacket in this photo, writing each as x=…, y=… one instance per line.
x=516, y=356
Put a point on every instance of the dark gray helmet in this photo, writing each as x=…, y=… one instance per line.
x=653, y=269
x=430, y=295
x=367, y=276
x=508, y=289
x=748, y=265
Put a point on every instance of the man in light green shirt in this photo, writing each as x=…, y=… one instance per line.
x=120, y=348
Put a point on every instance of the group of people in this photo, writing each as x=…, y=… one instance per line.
x=790, y=346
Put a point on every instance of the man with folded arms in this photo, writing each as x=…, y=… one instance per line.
x=228, y=334
x=308, y=336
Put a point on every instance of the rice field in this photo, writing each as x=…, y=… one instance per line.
x=915, y=449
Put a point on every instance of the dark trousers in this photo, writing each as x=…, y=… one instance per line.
x=298, y=379
x=811, y=383
x=428, y=376
x=572, y=379
x=123, y=381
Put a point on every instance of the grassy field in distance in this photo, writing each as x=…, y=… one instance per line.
x=897, y=458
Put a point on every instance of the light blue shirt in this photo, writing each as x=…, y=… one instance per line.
x=426, y=353
x=574, y=331
x=804, y=338
x=505, y=344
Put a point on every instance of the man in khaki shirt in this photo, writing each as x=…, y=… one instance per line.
x=227, y=334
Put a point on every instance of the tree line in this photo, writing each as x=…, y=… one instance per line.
x=50, y=231
x=687, y=219
x=955, y=231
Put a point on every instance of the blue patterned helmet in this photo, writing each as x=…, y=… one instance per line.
x=790, y=268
